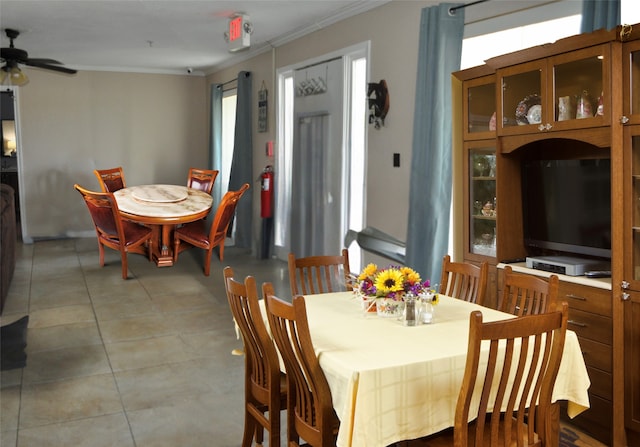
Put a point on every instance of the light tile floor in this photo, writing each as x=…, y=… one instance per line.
x=144, y=362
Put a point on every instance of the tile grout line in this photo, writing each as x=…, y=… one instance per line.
x=104, y=347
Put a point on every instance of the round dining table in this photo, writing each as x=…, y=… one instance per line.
x=162, y=207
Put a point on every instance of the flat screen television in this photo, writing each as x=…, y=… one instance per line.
x=566, y=206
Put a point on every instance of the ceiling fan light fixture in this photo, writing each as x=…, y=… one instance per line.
x=12, y=75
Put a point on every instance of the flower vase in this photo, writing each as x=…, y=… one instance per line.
x=388, y=307
x=368, y=304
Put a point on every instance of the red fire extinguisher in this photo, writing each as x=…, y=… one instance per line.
x=266, y=193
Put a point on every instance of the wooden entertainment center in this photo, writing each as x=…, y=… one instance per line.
x=574, y=99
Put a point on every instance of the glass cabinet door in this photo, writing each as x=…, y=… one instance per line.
x=581, y=96
x=482, y=211
x=568, y=91
x=523, y=87
x=631, y=73
x=632, y=137
x=480, y=108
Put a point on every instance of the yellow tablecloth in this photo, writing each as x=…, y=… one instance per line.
x=390, y=382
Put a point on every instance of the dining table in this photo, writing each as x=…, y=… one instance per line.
x=390, y=382
x=162, y=208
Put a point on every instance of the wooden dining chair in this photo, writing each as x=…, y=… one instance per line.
x=310, y=413
x=264, y=385
x=527, y=294
x=202, y=179
x=110, y=180
x=318, y=274
x=464, y=281
x=113, y=231
x=522, y=358
x=195, y=234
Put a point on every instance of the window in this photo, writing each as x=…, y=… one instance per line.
x=228, y=135
x=629, y=11
x=477, y=49
x=498, y=35
x=285, y=145
x=357, y=137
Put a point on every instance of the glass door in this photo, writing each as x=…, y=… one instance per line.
x=568, y=91
x=581, y=96
x=480, y=108
x=481, y=210
x=631, y=73
x=520, y=98
x=632, y=222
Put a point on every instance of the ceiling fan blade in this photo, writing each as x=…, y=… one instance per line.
x=49, y=66
x=38, y=60
x=13, y=54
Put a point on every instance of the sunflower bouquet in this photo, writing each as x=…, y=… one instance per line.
x=392, y=282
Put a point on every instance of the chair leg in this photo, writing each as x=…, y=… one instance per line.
x=259, y=435
x=176, y=246
x=207, y=261
x=123, y=255
x=249, y=430
x=101, y=252
x=274, y=431
x=221, y=248
x=150, y=249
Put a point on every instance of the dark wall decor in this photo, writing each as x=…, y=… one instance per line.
x=378, y=103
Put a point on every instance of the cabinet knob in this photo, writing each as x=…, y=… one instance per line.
x=625, y=296
x=624, y=285
x=548, y=126
x=541, y=127
x=624, y=119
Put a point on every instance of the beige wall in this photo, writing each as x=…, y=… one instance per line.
x=154, y=126
x=393, y=30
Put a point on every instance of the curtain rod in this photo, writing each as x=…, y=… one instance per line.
x=453, y=9
x=230, y=81
x=319, y=63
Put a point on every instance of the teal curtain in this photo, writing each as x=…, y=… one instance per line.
x=597, y=14
x=439, y=52
x=242, y=160
x=215, y=138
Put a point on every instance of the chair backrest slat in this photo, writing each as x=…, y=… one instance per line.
x=318, y=274
x=527, y=294
x=513, y=377
x=202, y=179
x=224, y=214
x=464, y=281
x=104, y=212
x=111, y=180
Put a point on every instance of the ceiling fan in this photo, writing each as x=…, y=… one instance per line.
x=10, y=73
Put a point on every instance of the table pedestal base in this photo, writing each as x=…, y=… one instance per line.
x=162, y=253
x=162, y=261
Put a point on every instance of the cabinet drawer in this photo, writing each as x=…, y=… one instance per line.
x=601, y=383
x=591, y=326
x=596, y=354
x=589, y=299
